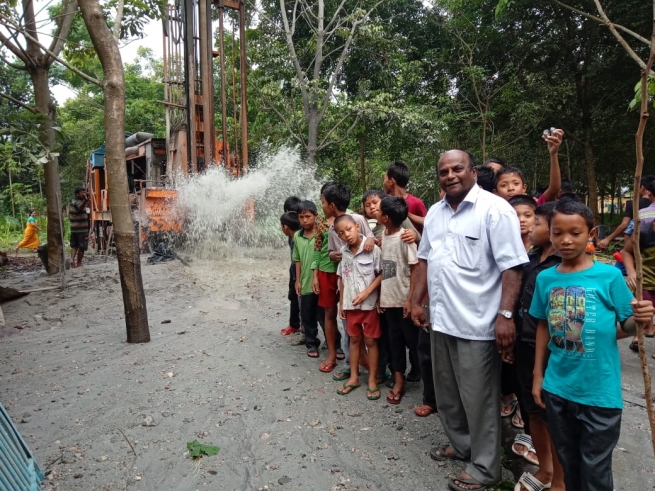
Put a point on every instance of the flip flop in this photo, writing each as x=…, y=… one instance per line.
x=312, y=353
x=424, y=411
x=395, y=397
x=518, y=423
x=526, y=441
x=439, y=454
x=340, y=354
x=468, y=481
x=346, y=389
x=341, y=375
x=289, y=330
x=327, y=367
x=511, y=405
x=370, y=391
x=530, y=483
x=634, y=346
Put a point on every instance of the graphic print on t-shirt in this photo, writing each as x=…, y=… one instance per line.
x=388, y=269
x=567, y=319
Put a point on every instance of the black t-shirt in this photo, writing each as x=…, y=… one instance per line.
x=643, y=203
x=525, y=323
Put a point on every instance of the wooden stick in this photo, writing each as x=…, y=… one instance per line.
x=45, y=289
x=127, y=440
x=639, y=144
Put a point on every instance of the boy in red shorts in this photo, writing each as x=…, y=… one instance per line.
x=325, y=284
x=359, y=280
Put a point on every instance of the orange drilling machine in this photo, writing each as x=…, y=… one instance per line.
x=191, y=144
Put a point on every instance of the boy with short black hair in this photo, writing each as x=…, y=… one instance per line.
x=326, y=285
x=335, y=199
x=486, y=176
x=291, y=206
x=303, y=256
x=359, y=280
x=395, y=181
x=495, y=164
x=524, y=206
x=578, y=304
x=371, y=201
x=398, y=259
x=290, y=225
x=537, y=441
x=510, y=181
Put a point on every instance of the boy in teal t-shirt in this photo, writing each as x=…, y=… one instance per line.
x=578, y=304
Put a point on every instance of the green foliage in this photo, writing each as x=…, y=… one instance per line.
x=636, y=102
x=197, y=449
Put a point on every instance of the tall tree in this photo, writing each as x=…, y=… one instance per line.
x=113, y=84
x=36, y=60
x=318, y=35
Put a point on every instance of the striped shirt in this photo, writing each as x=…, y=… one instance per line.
x=78, y=217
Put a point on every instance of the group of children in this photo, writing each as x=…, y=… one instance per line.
x=356, y=269
x=570, y=314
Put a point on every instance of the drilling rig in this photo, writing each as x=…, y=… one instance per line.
x=191, y=146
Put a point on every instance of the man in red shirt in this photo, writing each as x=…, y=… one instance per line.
x=395, y=182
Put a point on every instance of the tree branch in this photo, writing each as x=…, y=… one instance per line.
x=68, y=9
x=17, y=51
x=118, y=20
x=323, y=142
x=600, y=21
x=342, y=57
x=12, y=65
x=19, y=103
x=340, y=140
x=294, y=58
x=628, y=49
x=86, y=77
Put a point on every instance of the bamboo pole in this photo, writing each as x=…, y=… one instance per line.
x=639, y=144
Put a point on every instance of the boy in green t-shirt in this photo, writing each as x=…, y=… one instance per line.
x=578, y=305
x=303, y=256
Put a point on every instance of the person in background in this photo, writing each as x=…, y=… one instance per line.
x=647, y=247
x=486, y=178
x=395, y=181
x=79, y=226
x=624, y=226
x=30, y=235
x=495, y=164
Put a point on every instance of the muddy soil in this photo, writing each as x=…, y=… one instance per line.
x=100, y=414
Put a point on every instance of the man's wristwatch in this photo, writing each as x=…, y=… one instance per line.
x=507, y=314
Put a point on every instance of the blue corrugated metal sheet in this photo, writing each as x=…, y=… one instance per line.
x=18, y=469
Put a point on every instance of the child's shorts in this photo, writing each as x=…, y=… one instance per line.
x=329, y=294
x=363, y=321
x=524, y=352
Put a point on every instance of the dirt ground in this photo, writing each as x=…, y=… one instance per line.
x=100, y=414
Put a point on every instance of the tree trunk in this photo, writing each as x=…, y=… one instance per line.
x=312, y=134
x=38, y=71
x=127, y=249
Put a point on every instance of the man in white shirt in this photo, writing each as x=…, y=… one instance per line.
x=470, y=259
